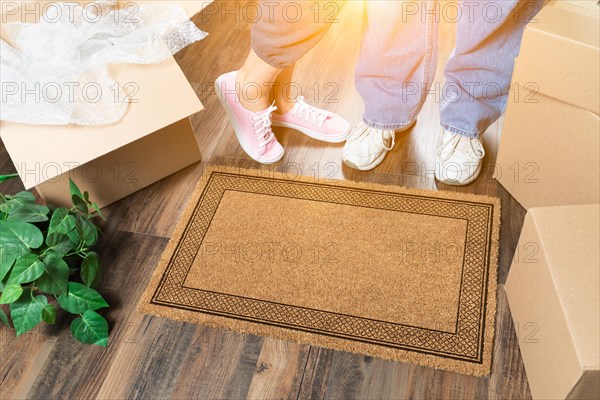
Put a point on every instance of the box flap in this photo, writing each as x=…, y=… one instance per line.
x=573, y=20
x=569, y=236
x=560, y=55
x=163, y=95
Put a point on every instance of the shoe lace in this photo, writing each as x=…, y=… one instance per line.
x=366, y=131
x=446, y=150
x=264, y=134
x=309, y=113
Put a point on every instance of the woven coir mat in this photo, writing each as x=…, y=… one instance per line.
x=396, y=273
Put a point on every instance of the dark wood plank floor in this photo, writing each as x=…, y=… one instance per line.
x=154, y=358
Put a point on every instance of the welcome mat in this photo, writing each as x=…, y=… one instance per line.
x=397, y=273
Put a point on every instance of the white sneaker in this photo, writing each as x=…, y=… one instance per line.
x=366, y=147
x=458, y=159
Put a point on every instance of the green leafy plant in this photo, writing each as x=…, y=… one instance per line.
x=46, y=253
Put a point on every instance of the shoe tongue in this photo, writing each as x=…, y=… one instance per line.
x=311, y=110
x=268, y=111
x=464, y=144
x=468, y=147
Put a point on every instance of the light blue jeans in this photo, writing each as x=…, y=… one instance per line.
x=398, y=57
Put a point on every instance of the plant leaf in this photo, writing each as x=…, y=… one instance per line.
x=5, y=206
x=3, y=317
x=95, y=205
x=90, y=232
x=11, y=293
x=80, y=298
x=25, y=196
x=58, y=243
x=11, y=204
x=85, y=232
x=76, y=235
x=26, y=312
x=89, y=268
x=22, y=235
x=61, y=221
x=27, y=269
x=75, y=189
x=78, y=198
x=49, y=314
x=29, y=213
x=55, y=278
x=90, y=328
x=6, y=261
x=7, y=177
x=80, y=204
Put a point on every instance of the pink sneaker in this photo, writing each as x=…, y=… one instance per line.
x=314, y=122
x=253, y=130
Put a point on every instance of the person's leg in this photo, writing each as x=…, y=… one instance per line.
x=254, y=81
x=397, y=62
x=283, y=33
x=277, y=85
x=478, y=76
x=395, y=72
x=282, y=90
x=479, y=72
x=279, y=41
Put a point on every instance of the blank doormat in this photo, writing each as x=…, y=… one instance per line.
x=390, y=272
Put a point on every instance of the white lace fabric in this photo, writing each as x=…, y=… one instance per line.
x=309, y=113
x=466, y=147
x=376, y=136
x=55, y=71
x=264, y=134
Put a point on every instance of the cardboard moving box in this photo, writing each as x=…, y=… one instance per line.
x=553, y=289
x=152, y=141
x=549, y=153
x=560, y=55
x=549, y=148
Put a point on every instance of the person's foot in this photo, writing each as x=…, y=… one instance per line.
x=458, y=159
x=314, y=122
x=252, y=129
x=366, y=147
